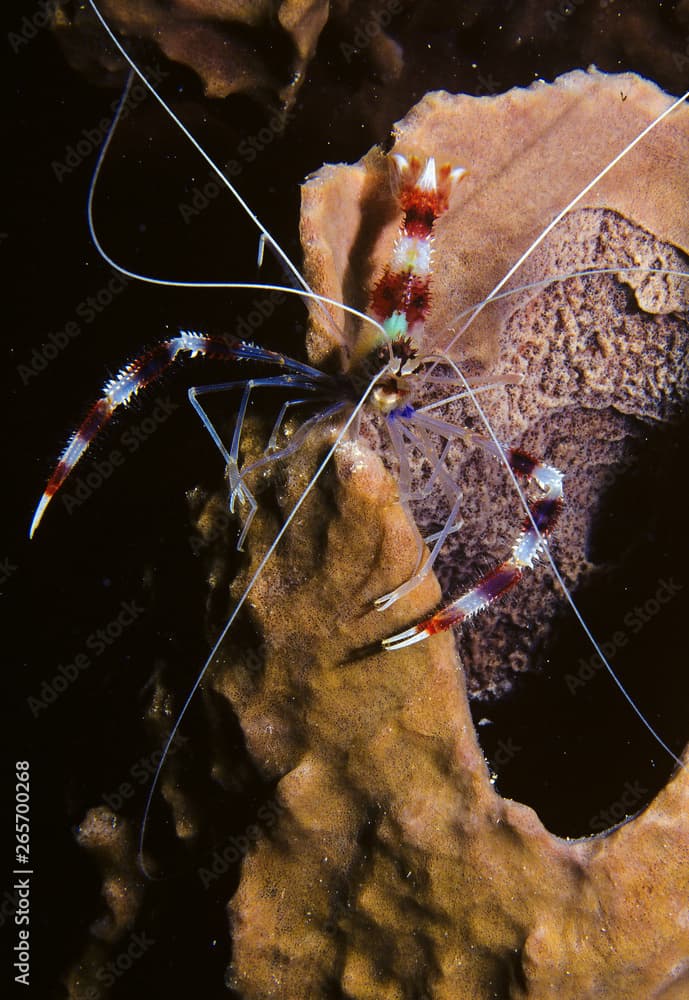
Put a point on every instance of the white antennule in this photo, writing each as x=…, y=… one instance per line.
x=525, y=553
x=291, y=267
x=301, y=287
x=561, y=214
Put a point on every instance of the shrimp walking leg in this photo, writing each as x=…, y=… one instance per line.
x=544, y=511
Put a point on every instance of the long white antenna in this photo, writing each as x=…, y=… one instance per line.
x=303, y=293
x=568, y=208
x=556, y=572
x=264, y=233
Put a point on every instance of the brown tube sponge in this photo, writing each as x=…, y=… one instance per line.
x=390, y=867
x=395, y=870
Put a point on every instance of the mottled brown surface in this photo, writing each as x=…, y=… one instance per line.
x=509, y=144
x=109, y=841
x=394, y=868
x=379, y=56
x=397, y=870
x=593, y=363
x=227, y=44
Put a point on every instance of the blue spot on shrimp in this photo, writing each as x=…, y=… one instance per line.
x=641, y=597
x=400, y=411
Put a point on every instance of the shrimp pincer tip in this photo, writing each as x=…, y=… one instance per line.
x=406, y=638
x=43, y=503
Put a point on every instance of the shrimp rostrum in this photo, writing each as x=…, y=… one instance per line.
x=392, y=381
x=388, y=362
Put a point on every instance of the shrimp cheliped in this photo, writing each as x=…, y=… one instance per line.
x=387, y=379
x=400, y=303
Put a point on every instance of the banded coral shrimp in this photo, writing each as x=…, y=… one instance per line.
x=96, y=379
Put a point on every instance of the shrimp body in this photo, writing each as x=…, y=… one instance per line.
x=401, y=755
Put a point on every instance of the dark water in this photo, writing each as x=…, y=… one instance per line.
x=119, y=556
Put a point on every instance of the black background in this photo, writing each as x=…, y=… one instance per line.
x=130, y=541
